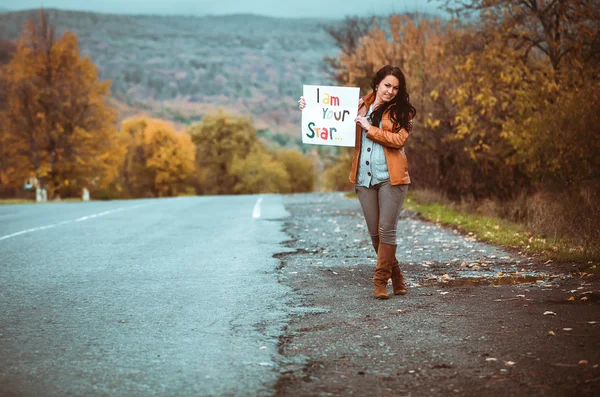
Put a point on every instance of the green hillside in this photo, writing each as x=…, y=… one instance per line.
x=179, y=68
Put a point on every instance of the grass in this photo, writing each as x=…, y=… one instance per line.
x=500, y=232
x=31, y=201
x=16, y=201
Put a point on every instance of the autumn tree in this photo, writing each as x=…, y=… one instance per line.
x=346, y=37
x=159, y=160
x=526, y=82
x=418, y=46
x=563, y=32
x=483, y=87
x=300, y=169
x=336, y=176
x=523, y=64
x=259, y=172
x=219, y=138
x=56, y=122
x=7, y=162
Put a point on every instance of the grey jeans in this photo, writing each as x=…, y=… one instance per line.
x=381, y=205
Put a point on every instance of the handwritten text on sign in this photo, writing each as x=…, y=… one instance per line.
x=328, y=118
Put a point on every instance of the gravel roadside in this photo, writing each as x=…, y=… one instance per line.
x=478, y=320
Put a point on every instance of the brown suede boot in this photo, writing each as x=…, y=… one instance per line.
x=398, y=280
x=386, y=255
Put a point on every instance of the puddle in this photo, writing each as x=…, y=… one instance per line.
x=490, y=278
x=482, y=281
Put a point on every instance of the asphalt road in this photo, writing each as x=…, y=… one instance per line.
x=141, y=298
x=272, y=296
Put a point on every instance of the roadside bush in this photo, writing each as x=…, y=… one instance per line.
x=336, y=176
x=259, y=172
x=300, y=169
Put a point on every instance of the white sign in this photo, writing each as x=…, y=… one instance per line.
x=328, y=118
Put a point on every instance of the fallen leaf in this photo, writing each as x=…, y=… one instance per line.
x=445, y=277
x=584, y=298
x=500, y=274
x=571, y=298
x=549, y=313
x=583, y=362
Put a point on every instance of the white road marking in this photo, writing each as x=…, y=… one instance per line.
x=83, y=218
x=256, y=212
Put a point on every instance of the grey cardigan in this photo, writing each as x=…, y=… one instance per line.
x=372, y=166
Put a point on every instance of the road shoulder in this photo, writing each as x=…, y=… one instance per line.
x=455, y=333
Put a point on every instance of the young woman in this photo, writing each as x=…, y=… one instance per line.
x=380, y=169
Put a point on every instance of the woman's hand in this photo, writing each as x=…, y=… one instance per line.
x=363, y=121
x=302, y=103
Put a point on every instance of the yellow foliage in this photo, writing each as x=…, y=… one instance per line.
x=218, y=138
x=56, y=123
x=259, y=172
x=300, y=168
x=336, y=176
x=159, y=160
x=418, y=47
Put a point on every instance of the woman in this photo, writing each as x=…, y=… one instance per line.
x=380, y=169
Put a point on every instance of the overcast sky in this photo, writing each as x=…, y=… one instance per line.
x=279, y=8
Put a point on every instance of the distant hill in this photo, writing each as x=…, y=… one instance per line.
x=180, y=68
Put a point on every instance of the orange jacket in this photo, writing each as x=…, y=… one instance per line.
x=392, y=142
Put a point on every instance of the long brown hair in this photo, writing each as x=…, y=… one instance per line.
x=401, y=111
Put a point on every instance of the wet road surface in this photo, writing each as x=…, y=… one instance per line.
x=141, y=298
